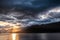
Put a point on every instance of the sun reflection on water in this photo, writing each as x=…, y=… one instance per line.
x=13, y=36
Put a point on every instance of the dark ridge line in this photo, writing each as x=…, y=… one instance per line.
x=48, y=28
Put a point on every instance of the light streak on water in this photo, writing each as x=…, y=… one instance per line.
x=29, y=36
x=13, y=36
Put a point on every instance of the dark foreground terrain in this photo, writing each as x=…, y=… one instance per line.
x=48, y=28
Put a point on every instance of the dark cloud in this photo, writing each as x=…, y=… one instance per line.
x=26, y=17
x=36, y=4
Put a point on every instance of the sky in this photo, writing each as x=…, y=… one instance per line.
x=36, y=4
x=44, y=16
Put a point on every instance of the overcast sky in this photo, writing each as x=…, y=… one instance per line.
x=28, y=17
x=29, y=3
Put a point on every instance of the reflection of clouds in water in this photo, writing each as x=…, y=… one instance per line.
x=28, y=20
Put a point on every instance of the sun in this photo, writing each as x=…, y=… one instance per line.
x=10, y=26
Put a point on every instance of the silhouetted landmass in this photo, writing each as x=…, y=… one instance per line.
x=48, y=28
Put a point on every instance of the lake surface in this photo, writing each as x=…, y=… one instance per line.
x=29, y=36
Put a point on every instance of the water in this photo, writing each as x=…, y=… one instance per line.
x=29, y=36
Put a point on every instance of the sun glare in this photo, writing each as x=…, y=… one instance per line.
x=13, y=36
